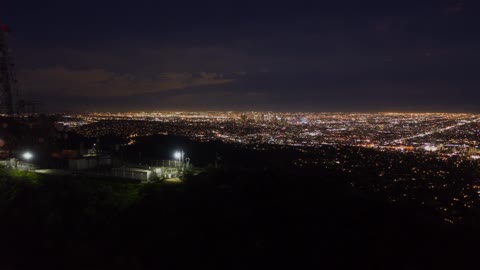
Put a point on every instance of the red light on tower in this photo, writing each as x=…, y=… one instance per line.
x=4, y=28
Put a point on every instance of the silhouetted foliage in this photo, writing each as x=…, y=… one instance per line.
x=228, y=218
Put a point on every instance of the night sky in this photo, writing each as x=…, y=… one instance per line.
x=248, y=55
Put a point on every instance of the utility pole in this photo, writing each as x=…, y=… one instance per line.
x=7, y=80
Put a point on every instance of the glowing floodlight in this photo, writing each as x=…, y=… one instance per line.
x=27, y=155
x=177, y=155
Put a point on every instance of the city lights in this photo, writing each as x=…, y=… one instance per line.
x=440, y=133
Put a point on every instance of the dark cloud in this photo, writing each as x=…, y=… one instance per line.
x=455, y=8
x=99, y=82
x=302, y=55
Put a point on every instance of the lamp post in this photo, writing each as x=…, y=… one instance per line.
x=27, y=156
x=179, y=155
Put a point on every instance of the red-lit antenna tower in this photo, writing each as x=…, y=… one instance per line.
x=7, y=80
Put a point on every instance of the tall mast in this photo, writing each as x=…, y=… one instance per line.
x=6, y=73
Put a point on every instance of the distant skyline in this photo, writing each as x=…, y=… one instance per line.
x=310, y=56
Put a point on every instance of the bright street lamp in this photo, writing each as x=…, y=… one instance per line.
x=27, y=156
x=179, y=155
